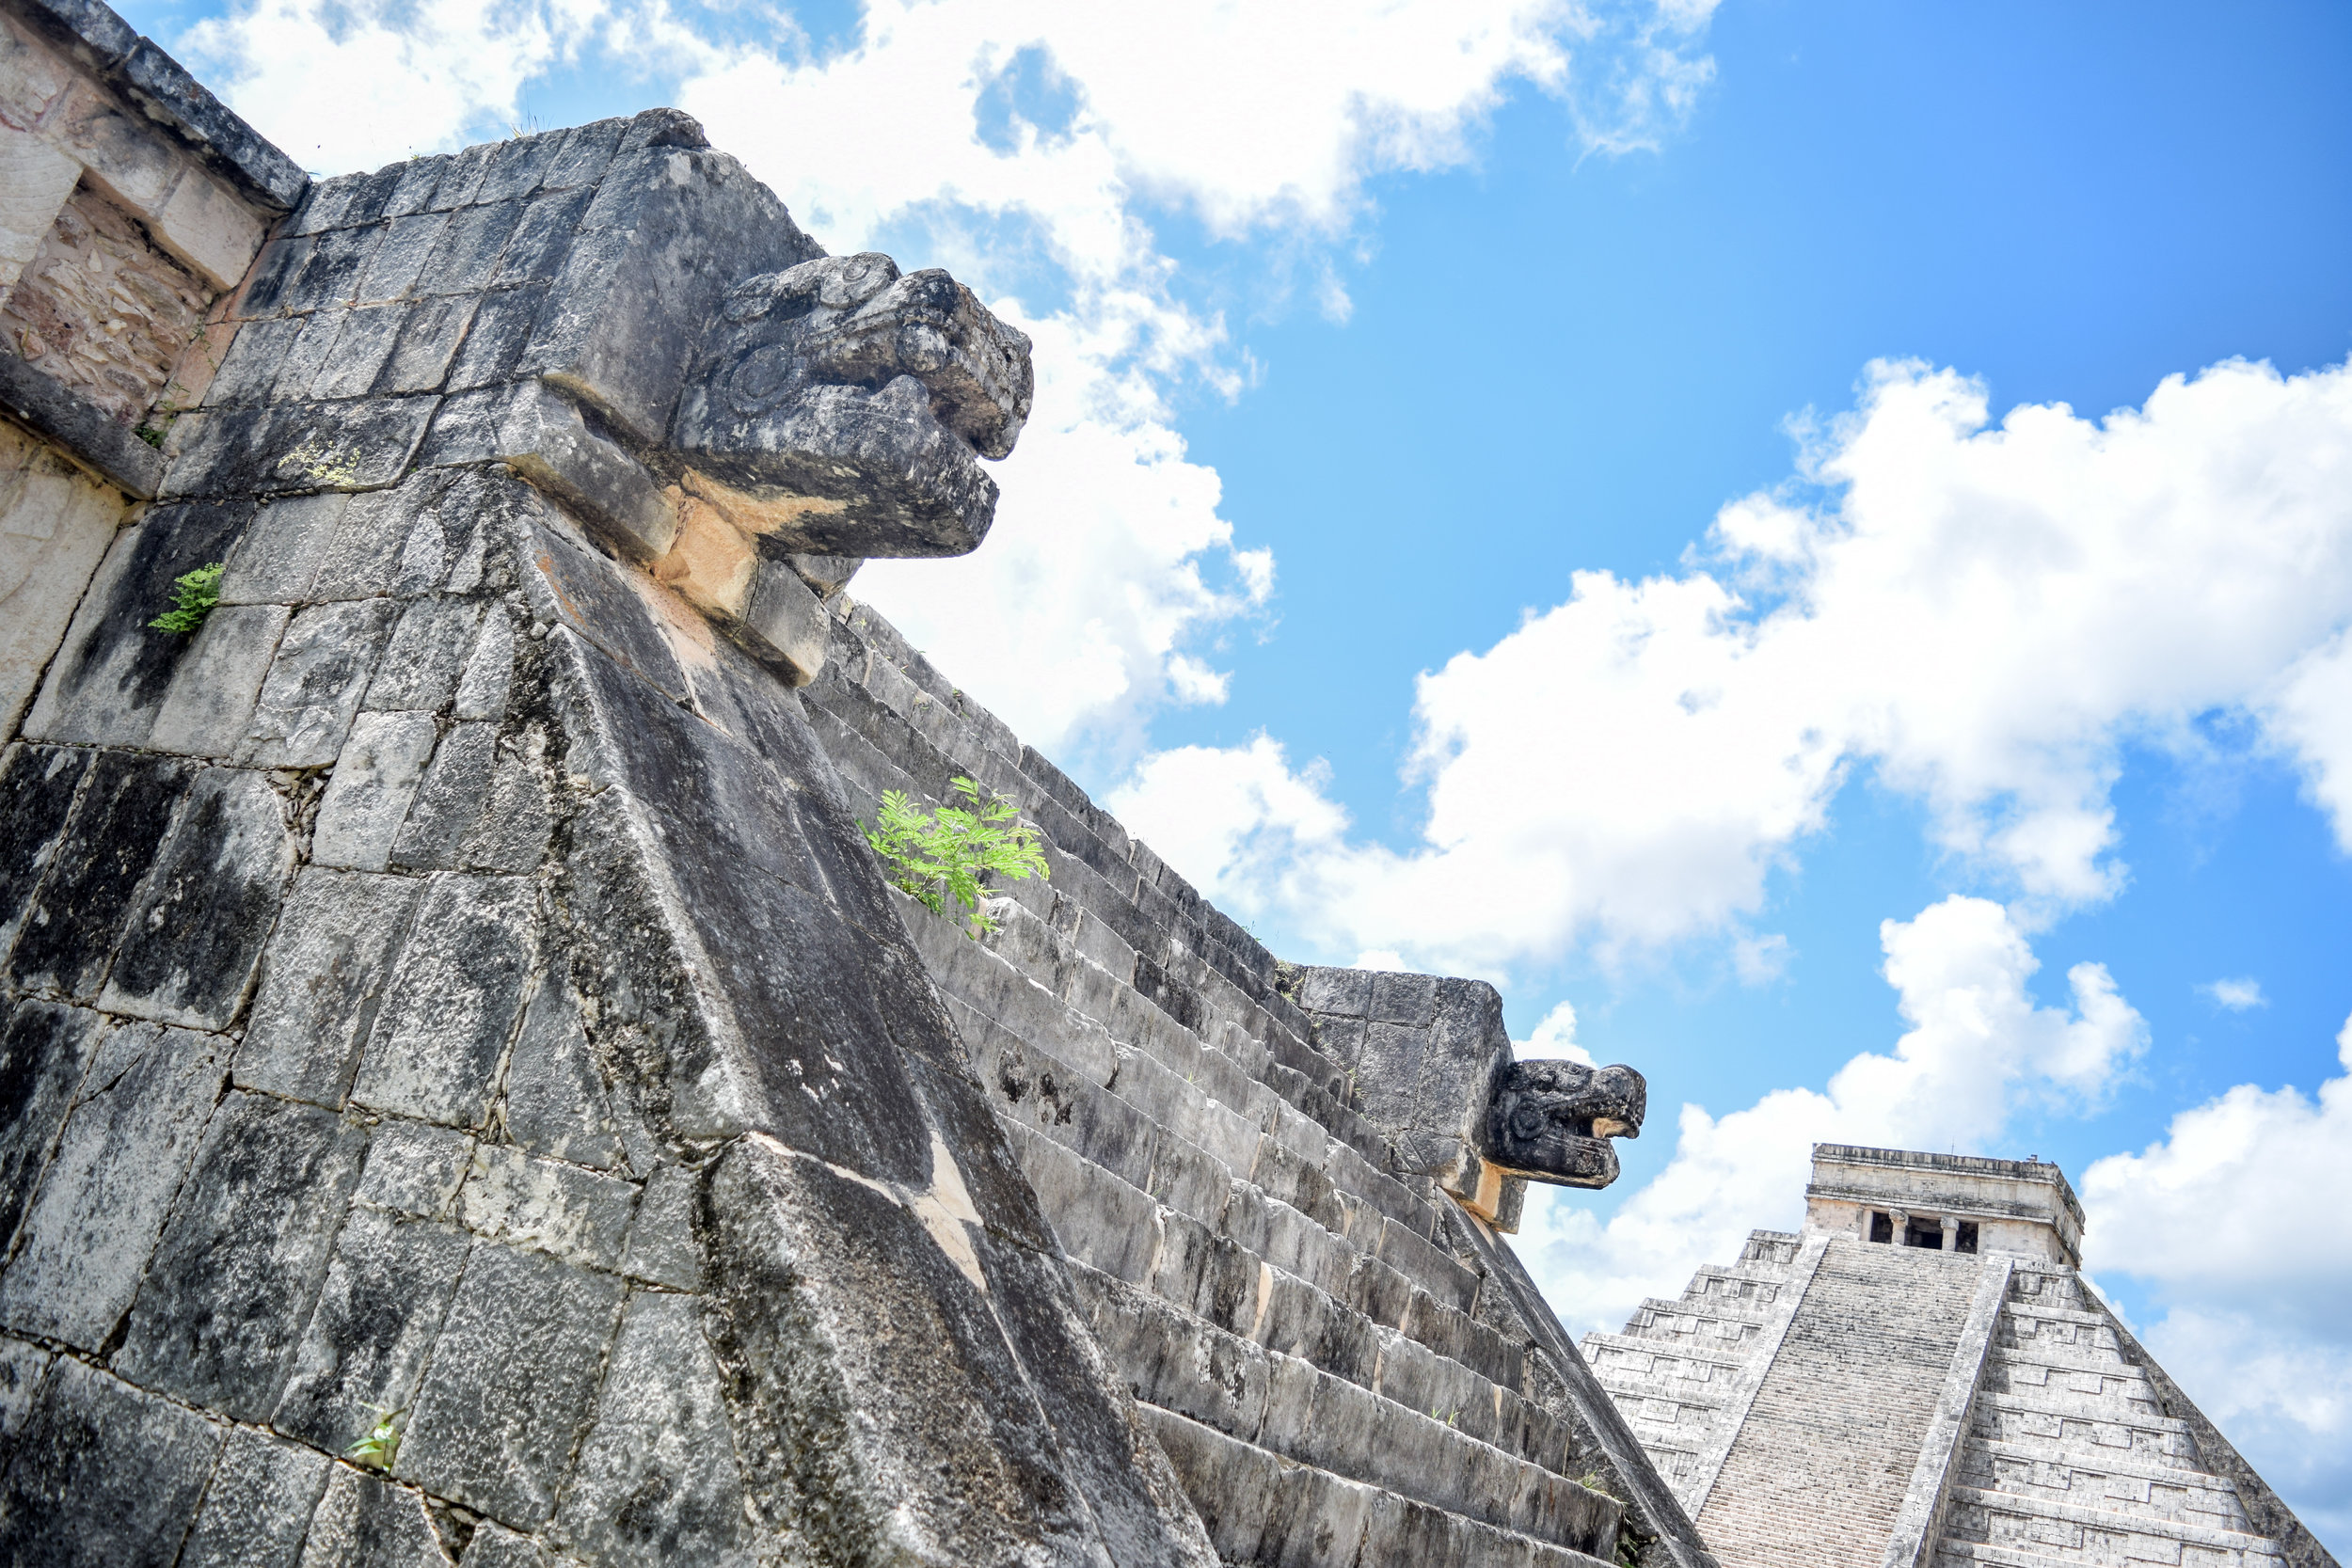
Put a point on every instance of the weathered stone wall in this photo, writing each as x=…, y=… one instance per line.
x=450, y=986
x=56, y=522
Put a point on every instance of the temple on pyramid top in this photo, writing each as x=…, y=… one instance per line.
x=1944, y=1202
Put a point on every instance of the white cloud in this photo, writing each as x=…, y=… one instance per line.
x=1985, y=613
x=1554, y=1035
x=1109, y=564
x=2236, y=1219
x=1977, y=1050
x=2236, y=995
x=357, y=84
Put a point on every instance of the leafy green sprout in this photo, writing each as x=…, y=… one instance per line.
x=193, y=596
x=382, y=1442
x=936, y=855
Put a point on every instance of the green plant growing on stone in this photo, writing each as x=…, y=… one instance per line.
x=936, y=855
x=382, y=1443
x=193, y=596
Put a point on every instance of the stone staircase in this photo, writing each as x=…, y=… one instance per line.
x=1328, y=1376
x=2069, y=1458
x=1679, y=1364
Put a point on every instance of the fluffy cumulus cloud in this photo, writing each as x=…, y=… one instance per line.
x=356, y=83
x=2235, y=1221
x=1902, y=604
x=1976, y=1048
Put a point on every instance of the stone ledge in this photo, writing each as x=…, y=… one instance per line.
x=55, y=412
x=171, y=97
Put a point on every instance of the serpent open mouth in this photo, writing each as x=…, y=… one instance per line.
x=1551, y=1120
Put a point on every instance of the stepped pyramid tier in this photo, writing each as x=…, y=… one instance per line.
x=1269, y=1179
x=1920, y=1378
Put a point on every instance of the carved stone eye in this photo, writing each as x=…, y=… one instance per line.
x=762, y=379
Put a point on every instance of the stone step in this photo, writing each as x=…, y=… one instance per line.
x=1752, y=1289
x=1361, y=1207
x=1263, y=1048
x=1726, y=1326
x=1422, y=1356
x=2033, y=1426
x=2075, y=1383
x=2071, y=1532
x=1262, y=1510
x=2064, y=1356
x=2117, y=1485
x=1772, y=1249
x=1299, y=1412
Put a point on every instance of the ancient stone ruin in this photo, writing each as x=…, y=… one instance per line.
x=1921, y=1379
x=468, y=1093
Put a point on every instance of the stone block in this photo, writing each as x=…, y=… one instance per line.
x=24, y=1370
x=55, y=524
x=555, y=1095
x=421, y=666
x=256, y=356
x=399, y=261
x=373, y=1330
x=815, y=1276
x=37, y=788
x=210, y=227
x=661, y=1240
x=258, y=1504
x=165, y=90
x=414, y=1167
x=657, y=1480
x=563, y=1210
x=43, y=1051
x=323, y=981
x=35, y=180
x=512, y=1383
x=361, y=346
x=360, y=444
x=457, y=788
x=193, y=940
x=112, y=671
x=209, y=706
x=466, y=258
x=586, y=153
x=126, y=160
x=377, y=775
x=31, y=79
x=346, y=202
x=543, y=239
x=66, y=939
x=453, y=1002
x=670, y=232
x=363, y=1518
x=329, y=270
x=784, y=623
x=542, y=437
x=322, y=671
x=489, y=670
x=502, y=323
x=221, y=1309
x=106, y=1477
x=421, y=360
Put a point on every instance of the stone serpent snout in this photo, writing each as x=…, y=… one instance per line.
x=1551, y=1120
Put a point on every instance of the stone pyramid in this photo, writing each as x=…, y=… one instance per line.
x=1921, y=1378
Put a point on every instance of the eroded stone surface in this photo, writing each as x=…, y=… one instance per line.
x=257, y=1505
x=223, y=1304
x=378, y=1316
x=451, y=1003
x=323, y=981
x=105, y=1476
x=512, y=1385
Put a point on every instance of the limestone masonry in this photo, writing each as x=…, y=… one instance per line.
x=469, y=1095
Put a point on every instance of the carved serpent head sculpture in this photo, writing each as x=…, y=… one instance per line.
x=1551, y=1120
x=848, y=405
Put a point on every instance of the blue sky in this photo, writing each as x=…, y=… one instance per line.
x=1911, y=771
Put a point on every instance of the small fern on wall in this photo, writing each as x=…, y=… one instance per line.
x=193, y=596
x=936, y=855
